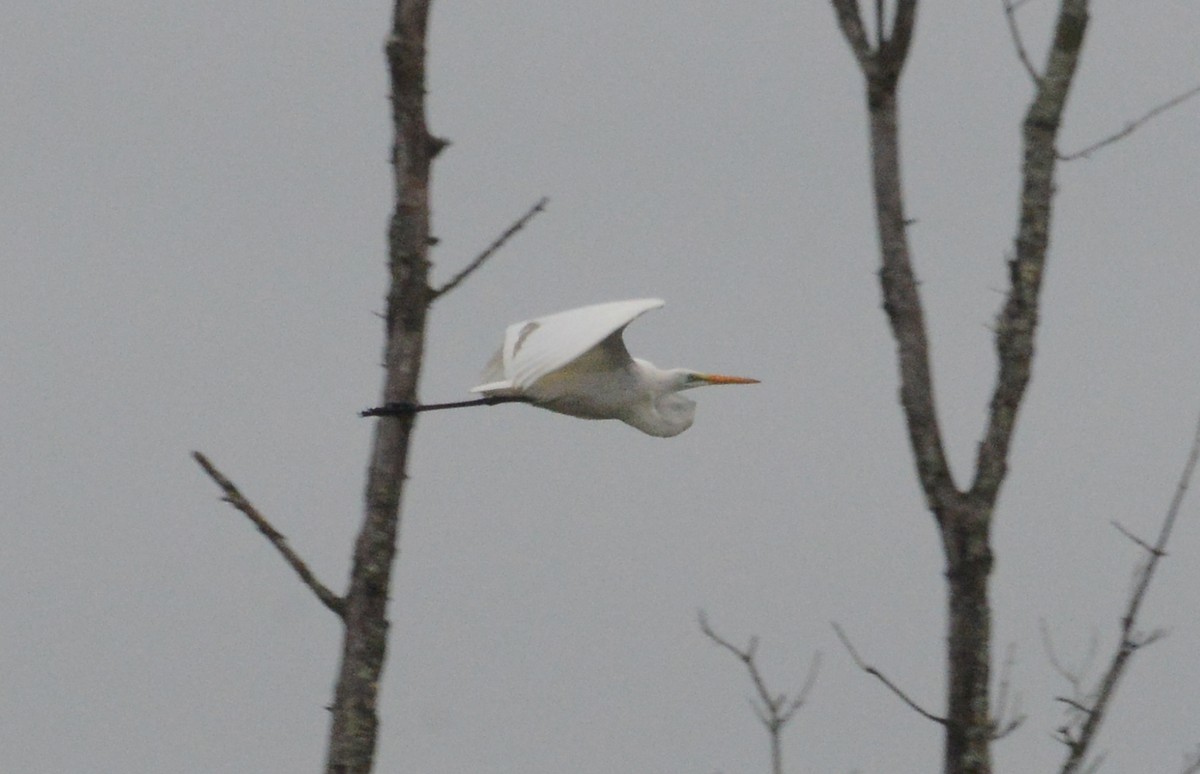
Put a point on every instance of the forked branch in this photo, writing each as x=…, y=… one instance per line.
x=1010, y=16
x=235, y=498
x=881, y=677
x=773, y=710
x=883, y=61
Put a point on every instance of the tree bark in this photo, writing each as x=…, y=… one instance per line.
x=354, y=725
x=966, y=535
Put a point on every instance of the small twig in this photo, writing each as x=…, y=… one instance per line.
x=1000, y=728
x=746, y=655
x=1137, y=540
x=1010, y=15
x=1149, y=639
x=235, y=498
x=1001, y=731
x=883, y=678
x=1075, y=675
x=1130, y=127
x=520, y=223
x=1073, y=704
x=810, y=680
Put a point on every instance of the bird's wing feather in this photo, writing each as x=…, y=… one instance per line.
x=494, y=370
x=534, y=348
x=492, y=381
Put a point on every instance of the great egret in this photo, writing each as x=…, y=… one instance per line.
x=575, y=363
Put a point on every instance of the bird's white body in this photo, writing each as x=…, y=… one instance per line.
x=576, y=363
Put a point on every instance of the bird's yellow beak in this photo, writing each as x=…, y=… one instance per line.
x=720, y=379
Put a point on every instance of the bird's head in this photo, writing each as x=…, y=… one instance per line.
x=668, y=413
x=674, y=413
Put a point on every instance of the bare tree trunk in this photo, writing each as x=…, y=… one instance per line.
x=364, y=647
x=968, y=642
x=963, y=517
x=363, y=608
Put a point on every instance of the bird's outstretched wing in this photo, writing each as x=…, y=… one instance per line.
x=534, y=348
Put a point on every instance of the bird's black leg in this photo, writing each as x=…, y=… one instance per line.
x=404, y=408
x=395, y=409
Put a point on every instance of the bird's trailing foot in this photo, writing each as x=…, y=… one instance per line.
x=406, y=407
x=394, y=409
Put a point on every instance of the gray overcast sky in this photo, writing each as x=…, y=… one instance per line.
x=192, y=209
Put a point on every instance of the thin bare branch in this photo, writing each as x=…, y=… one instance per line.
x=1149, y=639
x=773, y=711
x=1004, y=729
x=519, y=224
x=1010, y=15
x=1130, y=641
x=1000, y=727
x=746, y=656
x=883, y=678
x=1136, y=540
x=237, y=500
x=1073, y=675
x=724, y=643
x=810, y=680
x=1073, y=705
x=1164, y=534
x=1132, y=126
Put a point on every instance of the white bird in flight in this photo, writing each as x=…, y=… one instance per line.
x=575, y=363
